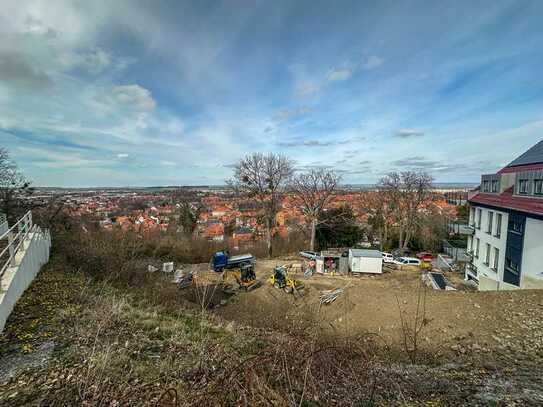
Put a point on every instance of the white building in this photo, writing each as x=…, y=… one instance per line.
x=506, y=215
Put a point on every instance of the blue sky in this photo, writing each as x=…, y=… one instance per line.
x=167, y=93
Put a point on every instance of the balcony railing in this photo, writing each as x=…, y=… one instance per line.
x=471, y=270
x=460, y=228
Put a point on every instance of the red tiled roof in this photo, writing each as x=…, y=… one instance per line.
x=520, y=168
x=507, y=200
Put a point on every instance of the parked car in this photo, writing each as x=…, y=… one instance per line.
x=425, y=256
x=387, y=257
x=309, y=255
x=412, y=261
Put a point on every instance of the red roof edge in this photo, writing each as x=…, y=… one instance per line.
x=520, y=168
x=510, y=201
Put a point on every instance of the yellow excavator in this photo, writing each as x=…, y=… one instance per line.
x=239, y=279
x=280, y=279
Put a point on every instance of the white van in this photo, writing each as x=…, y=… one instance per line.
x=412, y=261
x=387, y=257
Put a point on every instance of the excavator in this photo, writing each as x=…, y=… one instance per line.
x=238, y=272
x=280, y=279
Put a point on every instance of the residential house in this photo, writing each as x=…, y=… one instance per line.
x=506, y=215
x=214, y=230
x=242, y=234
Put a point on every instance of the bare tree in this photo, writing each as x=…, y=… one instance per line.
x=263, y=177
x=378, y=205
x=406, y=192
x=12, y=184
x=314, y=190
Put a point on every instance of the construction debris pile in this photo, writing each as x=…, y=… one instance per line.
x=329, y=296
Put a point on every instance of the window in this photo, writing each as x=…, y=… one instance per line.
x=496, y=259
x=495, y=185
x=538, y=187
x=515, y=226
x=490, y=219
x=523, y=186
x=478, y=223
x=498, y=225
x=485, y=186
x=512, y=266
x=487, y=255
x=477, y=241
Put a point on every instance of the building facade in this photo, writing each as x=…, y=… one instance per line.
x=506, y=218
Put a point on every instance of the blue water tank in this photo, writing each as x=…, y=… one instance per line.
x=220, y=259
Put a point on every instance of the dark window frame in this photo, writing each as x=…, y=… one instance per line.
x=495, y=185
x=523, y=186
x=512, y=266
x=499, y=225
x=538, y=183
x=495, y=264
x=515, y=226
x=487, y=254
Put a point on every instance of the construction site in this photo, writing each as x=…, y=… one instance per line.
x=453, y=320
x=246, y=331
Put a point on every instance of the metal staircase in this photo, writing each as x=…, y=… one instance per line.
x=24, y=249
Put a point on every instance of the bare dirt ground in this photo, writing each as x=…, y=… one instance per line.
x=455, y=321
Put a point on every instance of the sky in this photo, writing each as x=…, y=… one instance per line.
x=144, y=93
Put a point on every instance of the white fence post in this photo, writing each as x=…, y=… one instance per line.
x=11, y=249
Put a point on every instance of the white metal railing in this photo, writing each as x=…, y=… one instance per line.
x=12, y=240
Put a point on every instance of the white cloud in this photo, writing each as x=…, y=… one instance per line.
x=93, y=61
x=287, y=114
x=373, y=62
x=129, y=97
x=307, y=89
x=122, y=155
x=135, y=96
x=340, y=74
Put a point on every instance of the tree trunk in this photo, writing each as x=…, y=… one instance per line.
x=408, y=232
x=313, y=232
x=269, y=237
x=407, y=239
x=385, y=235
x=400, y=239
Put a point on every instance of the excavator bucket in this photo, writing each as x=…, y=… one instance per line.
x=255, y=284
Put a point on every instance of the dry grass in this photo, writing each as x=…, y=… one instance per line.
x=123, y=337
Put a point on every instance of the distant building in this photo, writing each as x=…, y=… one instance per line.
x=242, y=234
x=214, y=230
x=506, y=215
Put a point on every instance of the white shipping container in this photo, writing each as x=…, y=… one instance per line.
x=365, y=261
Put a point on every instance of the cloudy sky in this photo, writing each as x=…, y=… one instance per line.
x=159, y=93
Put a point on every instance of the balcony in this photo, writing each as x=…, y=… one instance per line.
x=460, y=228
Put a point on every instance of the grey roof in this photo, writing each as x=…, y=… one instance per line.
x=533, y=156
x=366, y=253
